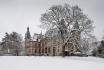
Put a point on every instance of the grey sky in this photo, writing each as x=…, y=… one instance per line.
x=16, y=15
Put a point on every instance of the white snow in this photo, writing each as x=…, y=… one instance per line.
x=50, y=63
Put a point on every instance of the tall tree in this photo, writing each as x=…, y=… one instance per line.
x=12, y=43
x=65, y=18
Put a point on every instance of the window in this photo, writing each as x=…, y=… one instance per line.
x=39, y=50
x=54, y=50
x=38, y=44
x=35, y=50
x=45, y=50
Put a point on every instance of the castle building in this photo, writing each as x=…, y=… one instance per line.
x=35, y=46
x=52, y=45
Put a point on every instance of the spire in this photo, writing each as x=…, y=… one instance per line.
x=27, y=35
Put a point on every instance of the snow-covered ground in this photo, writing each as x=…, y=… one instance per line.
x=50, y=63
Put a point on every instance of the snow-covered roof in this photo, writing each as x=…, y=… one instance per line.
x=37, y=36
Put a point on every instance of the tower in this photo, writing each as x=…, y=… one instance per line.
x=27, y=41
x=27, y=35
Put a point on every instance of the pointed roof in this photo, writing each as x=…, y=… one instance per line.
x=27, y=35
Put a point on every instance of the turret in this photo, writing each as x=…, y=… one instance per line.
x=27, y=35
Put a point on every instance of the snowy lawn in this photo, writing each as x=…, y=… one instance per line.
x=50, y=63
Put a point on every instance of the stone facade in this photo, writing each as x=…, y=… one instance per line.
x=51, y=45
x=35, y=47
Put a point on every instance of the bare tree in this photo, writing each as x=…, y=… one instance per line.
x=67, y=18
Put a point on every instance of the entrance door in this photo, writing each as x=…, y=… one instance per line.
x=66, y=53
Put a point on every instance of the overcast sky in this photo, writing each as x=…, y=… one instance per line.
x=16, y=15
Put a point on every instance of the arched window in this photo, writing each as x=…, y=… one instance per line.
x=45, y=50
x=35, y=50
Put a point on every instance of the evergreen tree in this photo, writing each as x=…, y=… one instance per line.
x=12, y=44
